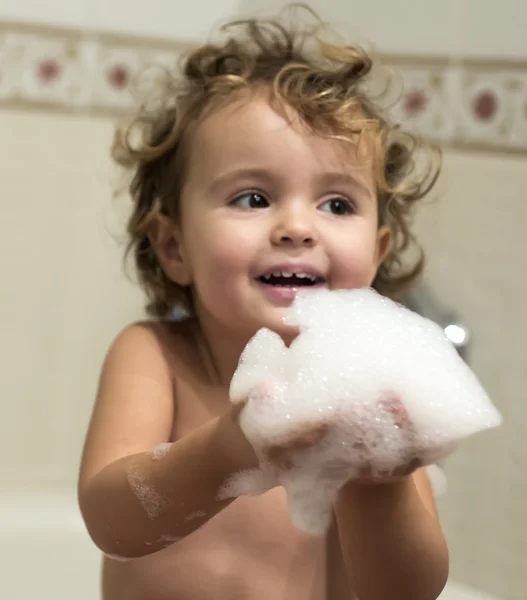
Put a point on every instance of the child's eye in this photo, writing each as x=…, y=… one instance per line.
x=251, y=200
x=338, y=206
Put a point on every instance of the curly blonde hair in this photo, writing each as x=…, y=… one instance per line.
x=324, y=82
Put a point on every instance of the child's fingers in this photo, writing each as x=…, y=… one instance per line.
x=368, y=476
x=301, y=439
x=236, y=408
x=408, y=468
x=392, y=404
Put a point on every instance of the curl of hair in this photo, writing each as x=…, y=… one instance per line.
x=326, y=83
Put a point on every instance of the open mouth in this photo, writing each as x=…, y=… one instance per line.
x=293, y=280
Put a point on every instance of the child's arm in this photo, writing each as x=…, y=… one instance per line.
x=391, y=539
x=132, y=504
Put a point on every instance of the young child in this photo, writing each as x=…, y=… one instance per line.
x=267, y=168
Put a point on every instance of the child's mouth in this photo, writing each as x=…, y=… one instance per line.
x=281, y=287
x=292, y=280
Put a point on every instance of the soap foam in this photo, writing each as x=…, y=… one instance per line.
x=386, y=382
x=150, y=499
x=169, y=539
x=252, y=482
x=195, y=515
x=117, y=558
x=160, y=450
x=438, y=480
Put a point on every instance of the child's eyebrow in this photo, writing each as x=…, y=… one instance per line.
x=343, y=178
x=243, y=173
x=324, y=180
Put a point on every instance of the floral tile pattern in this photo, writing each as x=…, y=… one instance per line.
x=461, y=104
x=466, y=105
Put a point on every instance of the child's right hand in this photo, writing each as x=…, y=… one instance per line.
x=302, y=436
x=283, y=455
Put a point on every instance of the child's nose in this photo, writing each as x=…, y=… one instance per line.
x=295, y=228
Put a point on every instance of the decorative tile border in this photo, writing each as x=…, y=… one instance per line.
x=74, y=71
x=472, y=104
x=465, y=104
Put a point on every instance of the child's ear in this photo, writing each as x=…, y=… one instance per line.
x=384, y=243
x=165, y=238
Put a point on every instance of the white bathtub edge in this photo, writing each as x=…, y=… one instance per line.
x=23, y=512
x=458, y=591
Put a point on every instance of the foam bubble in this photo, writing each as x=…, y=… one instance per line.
x=252, y=482
x=160, y=450
x=150, y=499
x=438, y=480
x=169, y=539
x=117, y=558
x=195, y=515
x=386, y=383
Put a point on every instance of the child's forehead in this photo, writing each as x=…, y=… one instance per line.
x=251, y=125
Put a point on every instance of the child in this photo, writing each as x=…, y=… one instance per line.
x=266, y=169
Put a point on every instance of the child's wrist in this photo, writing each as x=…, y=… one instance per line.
x=372, y=493
x=233, y=444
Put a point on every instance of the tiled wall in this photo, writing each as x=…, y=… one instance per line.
x=64, y=294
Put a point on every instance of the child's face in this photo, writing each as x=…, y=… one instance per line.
x=264, y=196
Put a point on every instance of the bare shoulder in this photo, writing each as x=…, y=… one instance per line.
x=137, y=342
x=153, y=348
x=134, y=409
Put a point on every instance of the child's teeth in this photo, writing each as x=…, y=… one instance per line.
x=306, y=276
x=289, y=275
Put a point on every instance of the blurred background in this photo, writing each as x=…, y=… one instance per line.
x=65, y=67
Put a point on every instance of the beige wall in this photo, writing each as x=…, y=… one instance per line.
x=64, y=294
x=155, y=18
x=448, y=27
x=474, y=235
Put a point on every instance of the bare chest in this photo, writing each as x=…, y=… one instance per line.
x=249, y=551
